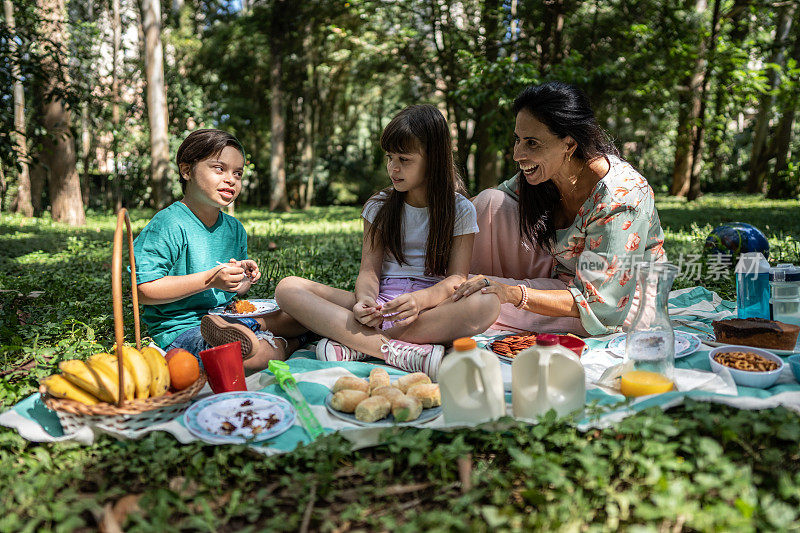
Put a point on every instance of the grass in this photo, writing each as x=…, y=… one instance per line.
x=697, y=467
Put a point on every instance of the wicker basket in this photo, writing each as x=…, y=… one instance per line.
x=132, y=415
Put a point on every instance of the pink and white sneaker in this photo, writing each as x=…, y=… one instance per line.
x=330, y=350
x=414, y=357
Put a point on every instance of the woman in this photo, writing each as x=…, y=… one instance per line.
x=558, y=242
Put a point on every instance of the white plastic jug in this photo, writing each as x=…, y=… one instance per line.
x=471, y=385
x=547, y=376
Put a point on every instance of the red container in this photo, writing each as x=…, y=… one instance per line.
x=572, y=343
x=224, y=367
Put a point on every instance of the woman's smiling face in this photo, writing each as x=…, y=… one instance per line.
x=539, y=153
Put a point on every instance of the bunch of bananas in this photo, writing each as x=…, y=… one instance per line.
x=146, y=375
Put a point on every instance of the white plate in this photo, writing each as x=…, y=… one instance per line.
x=426, y=416
x=206, y=419
x=685, y=344
x=263, y=307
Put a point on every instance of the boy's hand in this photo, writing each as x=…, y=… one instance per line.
x=250, y=269
x=368, y=313
x=403, y=308
x=227, y=277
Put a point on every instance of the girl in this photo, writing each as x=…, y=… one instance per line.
x=418, y=237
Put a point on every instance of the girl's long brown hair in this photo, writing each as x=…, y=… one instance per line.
x=422, y=129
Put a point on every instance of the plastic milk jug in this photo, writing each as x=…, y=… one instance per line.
x=547, y=376
x=752, y=286
x=471, y=384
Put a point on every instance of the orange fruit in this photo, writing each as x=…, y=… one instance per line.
x=183, y=370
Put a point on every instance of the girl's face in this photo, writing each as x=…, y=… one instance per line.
x=216, y=181
x=407, y=172
x=539, y=152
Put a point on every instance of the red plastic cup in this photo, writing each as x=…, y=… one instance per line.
x=572, y=343
x=224, y=367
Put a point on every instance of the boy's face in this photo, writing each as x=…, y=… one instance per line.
x=217, y=180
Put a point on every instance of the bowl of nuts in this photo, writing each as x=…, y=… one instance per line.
x=749, y=367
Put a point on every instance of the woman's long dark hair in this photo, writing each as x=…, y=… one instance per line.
x=423, y=129
x=566, y=111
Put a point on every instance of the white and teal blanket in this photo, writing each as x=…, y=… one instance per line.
x=315, y=378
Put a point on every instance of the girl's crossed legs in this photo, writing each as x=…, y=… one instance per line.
x=328, y=311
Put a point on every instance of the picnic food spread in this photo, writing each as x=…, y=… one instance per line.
x=146, y=375
x=240, y=307
x=748, y=361
x=372, y=400
x=757, y=332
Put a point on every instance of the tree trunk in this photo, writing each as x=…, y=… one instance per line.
x=116, y=45
x=740, y=29
x=23, y=203
x=307, y=154
x=157, y=111
x=86, y=136
x=779, y=184
x=689, y=105
x=699, y=129
x=486, y=152
x=279, y=199
x=759, y=156
x=552, y=34
x=58, y=145
x=681, y=168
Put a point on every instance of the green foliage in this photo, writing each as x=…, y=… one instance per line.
x=698, y=467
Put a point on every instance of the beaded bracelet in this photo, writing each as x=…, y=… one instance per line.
x=524, y=301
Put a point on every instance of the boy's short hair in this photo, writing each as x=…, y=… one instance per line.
x=202, y=144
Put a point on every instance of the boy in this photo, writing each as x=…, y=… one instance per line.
x=192, y=257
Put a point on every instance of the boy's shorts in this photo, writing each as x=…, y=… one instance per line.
x=391, y=288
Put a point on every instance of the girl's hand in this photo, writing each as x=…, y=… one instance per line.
x=227, y=277
x=403, y=308
x=368, y=313
x=508, y=294
x=251, y=270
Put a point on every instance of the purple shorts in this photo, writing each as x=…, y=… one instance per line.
x=391, y=288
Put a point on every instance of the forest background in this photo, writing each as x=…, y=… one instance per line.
x=699, y=95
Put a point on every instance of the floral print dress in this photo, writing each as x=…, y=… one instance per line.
x=615, y=228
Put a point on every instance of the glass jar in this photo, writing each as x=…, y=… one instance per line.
x=650, y=342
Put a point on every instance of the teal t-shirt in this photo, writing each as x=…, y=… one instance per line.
x=176, y=243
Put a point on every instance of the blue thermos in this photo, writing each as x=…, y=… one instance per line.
x=752, y=286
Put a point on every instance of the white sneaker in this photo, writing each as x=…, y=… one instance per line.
x=330, y=350
x=414, y=357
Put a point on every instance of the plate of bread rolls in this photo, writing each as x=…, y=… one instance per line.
x=377, y=401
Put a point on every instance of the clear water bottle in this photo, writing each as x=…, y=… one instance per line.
x=752, y=286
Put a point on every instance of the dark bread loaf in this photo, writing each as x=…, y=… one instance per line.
x=757, y=332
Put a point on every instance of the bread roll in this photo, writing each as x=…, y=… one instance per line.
x=350, y=383
x=392, y=393
x=373, y=409
x=406, y=408
x=347, y=400
x=378, y=377
x=409, y=380
x=428, y=394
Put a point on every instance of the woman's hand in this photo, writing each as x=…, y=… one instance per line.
x=404, y=308
x=508, y=294
x=368, y=313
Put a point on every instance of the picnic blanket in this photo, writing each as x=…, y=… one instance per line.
x=696, y=305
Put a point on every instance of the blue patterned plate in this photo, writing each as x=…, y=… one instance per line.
x=685, y=344
x=426, y=416
x=239, y=417
x=263, y=307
